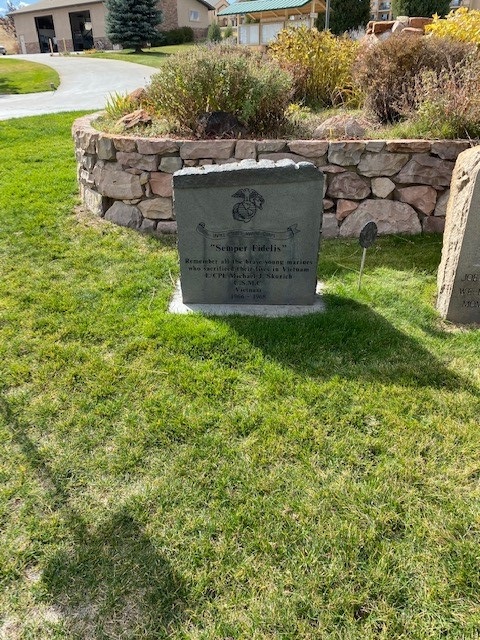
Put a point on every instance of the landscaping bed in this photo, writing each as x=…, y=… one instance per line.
x=403, y=185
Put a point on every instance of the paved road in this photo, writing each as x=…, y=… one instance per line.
x=85, y=84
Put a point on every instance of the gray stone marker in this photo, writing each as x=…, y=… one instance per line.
x=459, y=272
x=248, y=232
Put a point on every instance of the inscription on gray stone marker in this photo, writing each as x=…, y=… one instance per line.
x=459, y=271
x=248, y=232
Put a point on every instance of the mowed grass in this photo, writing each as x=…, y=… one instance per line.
x=22, y=76
x=154, y=57
x=212, y=478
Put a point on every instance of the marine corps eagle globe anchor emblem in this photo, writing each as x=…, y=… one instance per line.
x=247, y=209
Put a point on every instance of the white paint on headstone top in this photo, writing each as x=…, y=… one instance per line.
x=248, y=232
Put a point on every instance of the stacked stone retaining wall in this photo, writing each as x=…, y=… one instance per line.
x=402, y=185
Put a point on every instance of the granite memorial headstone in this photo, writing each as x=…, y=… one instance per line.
x=248, y=232
x=459, y=272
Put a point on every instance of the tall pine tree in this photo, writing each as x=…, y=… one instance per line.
x=132, y=23
x=420, y=8
x=346, y=15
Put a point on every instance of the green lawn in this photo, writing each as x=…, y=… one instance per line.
x=21, y=76
x=216, y=478
x=154, y=57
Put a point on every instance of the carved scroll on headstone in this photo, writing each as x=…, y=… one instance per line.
x=248, y=232
x=459, y=272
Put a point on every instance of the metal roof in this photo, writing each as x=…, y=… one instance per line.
x=257, y=6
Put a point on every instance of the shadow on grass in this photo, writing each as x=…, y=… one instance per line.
x=111, y=582
x=349, y=340
x=7, y=87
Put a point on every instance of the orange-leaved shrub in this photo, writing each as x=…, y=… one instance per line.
x=447, y=102
x=387, y=71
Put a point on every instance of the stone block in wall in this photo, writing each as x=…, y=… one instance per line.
x=332, y=169
x=89, y=162
x=349, y=186
x=86, y=140
x=375, y=146
x=271, y=146
x=328, y=204
x=390, y=216
x=330, y=228
x=433, y=224
x=157, y=208
x=106, y=149
x=345, y=154
x=408, y=146
x=197, y=149
x=157, y=147
x=148, y=226
x=442, y=202
x=419, y=23
x=137, y=161
x=94, y=201
x=374, y=165
x=424, y=169
x=125, y=215
x=345, y=208
x=161, y=184
x=382, y=187
x=422, y=197
x=309, y=148
x=127, y=145
x=382, y=26
x=246, y=150
x=285, y=155
x=118, y=185
x=170, y=164
x=449, y=149
x=86, y=177
x=165, y=228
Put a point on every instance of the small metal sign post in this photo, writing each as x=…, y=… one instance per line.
x=368, y=235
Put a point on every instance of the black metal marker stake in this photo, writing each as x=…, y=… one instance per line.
x=368, y=235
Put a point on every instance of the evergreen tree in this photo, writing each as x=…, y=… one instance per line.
x=132, y=23
x=346, y=15
x=420, y=8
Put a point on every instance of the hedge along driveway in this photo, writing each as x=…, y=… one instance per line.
x=85, y=83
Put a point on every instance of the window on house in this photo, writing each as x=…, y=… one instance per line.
x=194, y=16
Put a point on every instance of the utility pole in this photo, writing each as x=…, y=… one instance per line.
x=327, y=15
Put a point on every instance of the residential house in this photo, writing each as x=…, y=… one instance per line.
x=75, y=25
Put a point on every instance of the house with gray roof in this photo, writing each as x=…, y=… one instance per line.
x=76, y=25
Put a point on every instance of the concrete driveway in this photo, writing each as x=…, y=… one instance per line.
x=85, y=84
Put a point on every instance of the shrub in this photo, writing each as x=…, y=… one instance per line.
x=177, y=36
x=321, y=64
x=447, y=102
x=119, y=105
x=227, y=32
x=230, y=79
x=214, y=33
x=461, y=24
x=386, y=72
